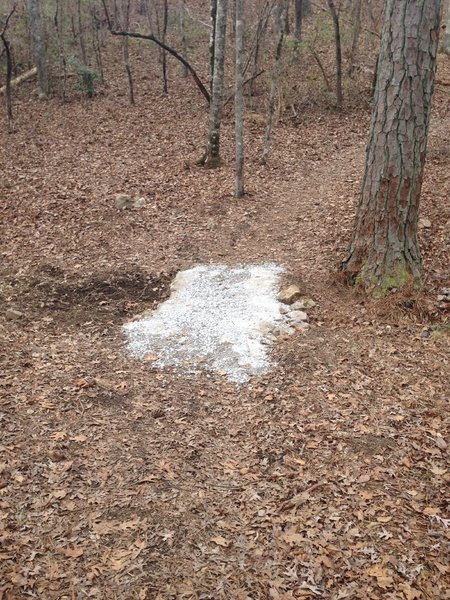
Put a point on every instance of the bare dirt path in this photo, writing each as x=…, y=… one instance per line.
x=324, y=479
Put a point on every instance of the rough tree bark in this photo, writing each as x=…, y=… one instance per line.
x=39, y=46
x=239, y=99
x=212, y=159
x=384, y=251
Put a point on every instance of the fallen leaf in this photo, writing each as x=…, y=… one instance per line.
x=74, y=552
x=437, y=470
x=385, y=519
x=220, y=541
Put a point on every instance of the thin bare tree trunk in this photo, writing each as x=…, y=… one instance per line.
x=259, y=41
x=239, y=99
x=213, y=151
x=96, y=43
x=58, y=21
x=384, y=251
x=164, y=53
x=355, y=36
x=152, y=38
x=81, y=33
x=125, y=51
x=184, y=44
x=9, y=69
x=39, y=46
x=298, y=19
x=337, y=40
x=279, y=25
x=212, y=41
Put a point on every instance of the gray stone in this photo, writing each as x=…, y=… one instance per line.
x=12, y=315
x=139, y=203
x=298, y=316
x=424, y=223
x=123, y=202
x=289, y=294
x=303, y=304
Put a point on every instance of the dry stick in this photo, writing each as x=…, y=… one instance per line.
x=319, y=62
x=24, y=77
x=168, y=49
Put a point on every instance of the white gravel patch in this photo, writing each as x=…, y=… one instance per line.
x=218, y=317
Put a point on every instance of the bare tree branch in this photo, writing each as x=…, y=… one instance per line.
x=162, y=45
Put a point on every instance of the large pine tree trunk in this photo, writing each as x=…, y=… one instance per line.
x=213, y=152
x=38, y=42
x=384, y=252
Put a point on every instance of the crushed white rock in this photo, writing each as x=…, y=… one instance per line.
x=217, y=317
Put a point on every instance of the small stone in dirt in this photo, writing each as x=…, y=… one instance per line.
x=298, y=316
x=12, y=315
x=424, y=223
x=303, y=304
x=425, y=332
x=123, y=202
x=289, y=294
x=301, y=326
x=139, y=203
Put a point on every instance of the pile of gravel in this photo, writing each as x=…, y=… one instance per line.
x=218, y=317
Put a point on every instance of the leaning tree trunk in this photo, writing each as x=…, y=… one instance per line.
x=384, y=251
x=38, y=43
x=212, y=159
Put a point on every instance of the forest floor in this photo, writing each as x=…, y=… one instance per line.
x=325, y=478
